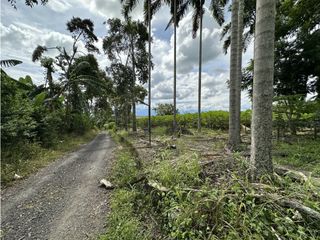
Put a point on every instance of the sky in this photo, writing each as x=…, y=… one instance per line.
x=24, y=28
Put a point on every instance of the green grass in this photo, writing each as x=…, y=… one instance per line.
x=124, y=222
x=302, y=154
x=185, y=204
x=26, y=158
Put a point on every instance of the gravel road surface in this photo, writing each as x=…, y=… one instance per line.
x=63, y=200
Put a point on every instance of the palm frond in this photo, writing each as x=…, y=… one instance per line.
x=9, y=62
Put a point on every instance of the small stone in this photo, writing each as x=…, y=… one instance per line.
x=16, y=176
x=106, y=184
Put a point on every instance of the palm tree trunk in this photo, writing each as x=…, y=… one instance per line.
x=234, y=125
x=261, y=138
x=134, y=122
x=175, y=67
x=200, y=70
x=239, y=71
x=149, y=72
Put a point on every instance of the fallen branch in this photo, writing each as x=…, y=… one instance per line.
x=294, y=175
x=305, y=211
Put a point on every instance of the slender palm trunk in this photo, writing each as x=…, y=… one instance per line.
x=149, y=72
x=239, y=71
x=261, y=138
x=134, y=122
x=200, y=70
x=234, y=129
x=175, y=67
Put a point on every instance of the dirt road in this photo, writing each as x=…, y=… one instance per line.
x=63, y=200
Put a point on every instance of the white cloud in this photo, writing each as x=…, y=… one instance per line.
x=21, y=35
x=111, y=8
x=18, y=41
x=59, y=5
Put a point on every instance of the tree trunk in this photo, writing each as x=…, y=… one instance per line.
x=126, y=117
x=116, y=117
x=134, y=119
x=200, y=70
x=239, y=73
x=50, y=83
x=261, y=138
x=134, y=122
x=234, y=125
x=149, y=72
x=175, y=67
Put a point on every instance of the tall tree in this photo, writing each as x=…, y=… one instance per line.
x=234, y=124
x=128, y=6
x=216, y=8
x=200, y=66
x=174, y=66
x=239, y=70
x=261, y=138
x=129, y=38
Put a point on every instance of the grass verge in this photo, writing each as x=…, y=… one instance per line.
x=124, y=222
x=26, y=158
x=185, y=201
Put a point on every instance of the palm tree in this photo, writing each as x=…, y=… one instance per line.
x=200, y=70
x=261, y=138
x=233, y=124
x=238, y=42
x=216, y=7
x=237, y=109
x=174, y=66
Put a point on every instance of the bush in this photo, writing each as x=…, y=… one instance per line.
x=110, y=126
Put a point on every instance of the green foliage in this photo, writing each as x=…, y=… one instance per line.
x=163, y=109
x=16, y=112
x=110, y=126
x=211, y=119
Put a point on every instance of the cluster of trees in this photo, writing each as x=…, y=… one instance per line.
x=286, y=54
x=73, y=98
x=77, y=93
x=290, y=36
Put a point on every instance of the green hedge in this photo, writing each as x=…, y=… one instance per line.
x=211, y=119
